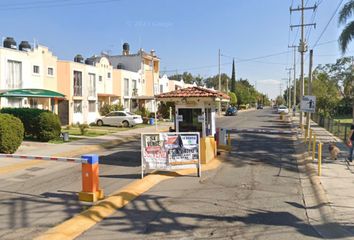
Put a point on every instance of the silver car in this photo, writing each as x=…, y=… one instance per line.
x=120, y=118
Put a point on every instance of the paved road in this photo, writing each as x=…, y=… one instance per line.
x=37, y=198
x=255, y=194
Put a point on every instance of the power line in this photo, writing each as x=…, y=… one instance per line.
x=325, y=28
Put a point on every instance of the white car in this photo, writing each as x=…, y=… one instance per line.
x=283, y=109
x=120, y=118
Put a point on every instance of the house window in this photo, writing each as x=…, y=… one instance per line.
x=135, y=88
x=109, y=75
x=77, y=83
x=126, y=87
x=33, y=102
x=14, y=102
x=77, y=106
x=92, y=106
x=161, y=88
x=50, y=71
x=100, y=78
x=14, y=75
x=35, y=69
x=92, y=85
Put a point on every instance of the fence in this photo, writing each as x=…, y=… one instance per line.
x=341, y=130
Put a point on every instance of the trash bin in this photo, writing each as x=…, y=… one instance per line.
x=65, y=136
x=152, y=121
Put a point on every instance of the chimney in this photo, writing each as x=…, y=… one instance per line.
x=153, y=53
x=126, y=49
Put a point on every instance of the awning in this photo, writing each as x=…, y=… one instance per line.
x=34, y=93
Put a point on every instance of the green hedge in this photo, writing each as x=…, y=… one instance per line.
x=48, y=126
x=11, y=133
x=40, y=124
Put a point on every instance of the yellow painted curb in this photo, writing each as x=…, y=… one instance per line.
x=75, y=226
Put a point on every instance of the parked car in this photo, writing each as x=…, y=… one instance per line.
x=231, y=111
x=283, y=109
x=260, y=106
x=120, y=118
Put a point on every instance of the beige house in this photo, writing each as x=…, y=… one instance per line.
x=28, y=76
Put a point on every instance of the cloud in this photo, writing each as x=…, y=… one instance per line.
x=269, y=82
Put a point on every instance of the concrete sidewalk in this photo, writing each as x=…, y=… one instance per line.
x=334, y=188
x=86, y=145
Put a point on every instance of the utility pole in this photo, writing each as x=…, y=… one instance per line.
x=309, y=90
x=294, y=68
x=219, y=107
x=289, y=88
x=302, y=45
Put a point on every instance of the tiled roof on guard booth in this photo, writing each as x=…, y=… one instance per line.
x=193, y=92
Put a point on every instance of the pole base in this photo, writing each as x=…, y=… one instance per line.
x=91, y=196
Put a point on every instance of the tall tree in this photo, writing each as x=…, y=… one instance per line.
x=233, y=78
x=346, y=37
x=348, y=32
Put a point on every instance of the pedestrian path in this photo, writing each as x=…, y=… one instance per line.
x=337, y=177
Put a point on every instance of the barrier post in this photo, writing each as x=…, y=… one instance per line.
x=310, y=139
x=306, y=133
x=319, y=159
x=228, y=139
x=91, y=191
x=314, y=147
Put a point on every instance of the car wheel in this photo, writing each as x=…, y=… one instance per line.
x=99, y=123
x=125, y=124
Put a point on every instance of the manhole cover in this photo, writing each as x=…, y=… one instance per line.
x=34, y=169
x=25, y=176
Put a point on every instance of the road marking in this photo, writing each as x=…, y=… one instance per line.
x=80, y=223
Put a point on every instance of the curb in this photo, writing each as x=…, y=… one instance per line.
x=82, y=222
x=319, y=212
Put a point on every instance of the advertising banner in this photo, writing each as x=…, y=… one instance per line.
x=170, y=151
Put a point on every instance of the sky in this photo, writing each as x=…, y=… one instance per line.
x=186, y=34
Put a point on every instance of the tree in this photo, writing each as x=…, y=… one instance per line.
x=233, y=78
x=348, y=32
x=279, y=100
x=188, y=78
x=341, y=73
x=214, y=82
x=233, y=99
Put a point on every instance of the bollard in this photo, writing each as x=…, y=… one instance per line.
x=310, y=139
x=305, y=135
x=228, y=139
x=314, y=147
x=319, y=161
x=91, y=191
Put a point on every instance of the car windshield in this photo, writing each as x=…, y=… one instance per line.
x=129, y=113
x=282, y=107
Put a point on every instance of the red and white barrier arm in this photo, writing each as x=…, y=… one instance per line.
x=29, y=157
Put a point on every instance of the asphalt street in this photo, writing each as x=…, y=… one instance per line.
x=255, y=194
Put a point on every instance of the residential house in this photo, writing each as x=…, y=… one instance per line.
x=28, y=76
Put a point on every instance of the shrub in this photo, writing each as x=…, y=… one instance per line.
x=11, y=133
x=48, y=126
x=28, y=116
x=38, y=123
x=106, y=108
x=83, y=128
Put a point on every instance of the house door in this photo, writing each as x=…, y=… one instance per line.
x=63, y=112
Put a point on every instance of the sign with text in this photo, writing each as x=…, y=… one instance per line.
x=308, y=104
x=170, y=151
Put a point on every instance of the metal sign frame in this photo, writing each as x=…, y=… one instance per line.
x=168, y=167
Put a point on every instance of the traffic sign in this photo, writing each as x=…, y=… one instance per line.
x=308, y=104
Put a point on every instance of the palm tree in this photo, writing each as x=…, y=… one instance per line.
x=348, y=32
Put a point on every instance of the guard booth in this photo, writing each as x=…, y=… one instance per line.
x=195, y=112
